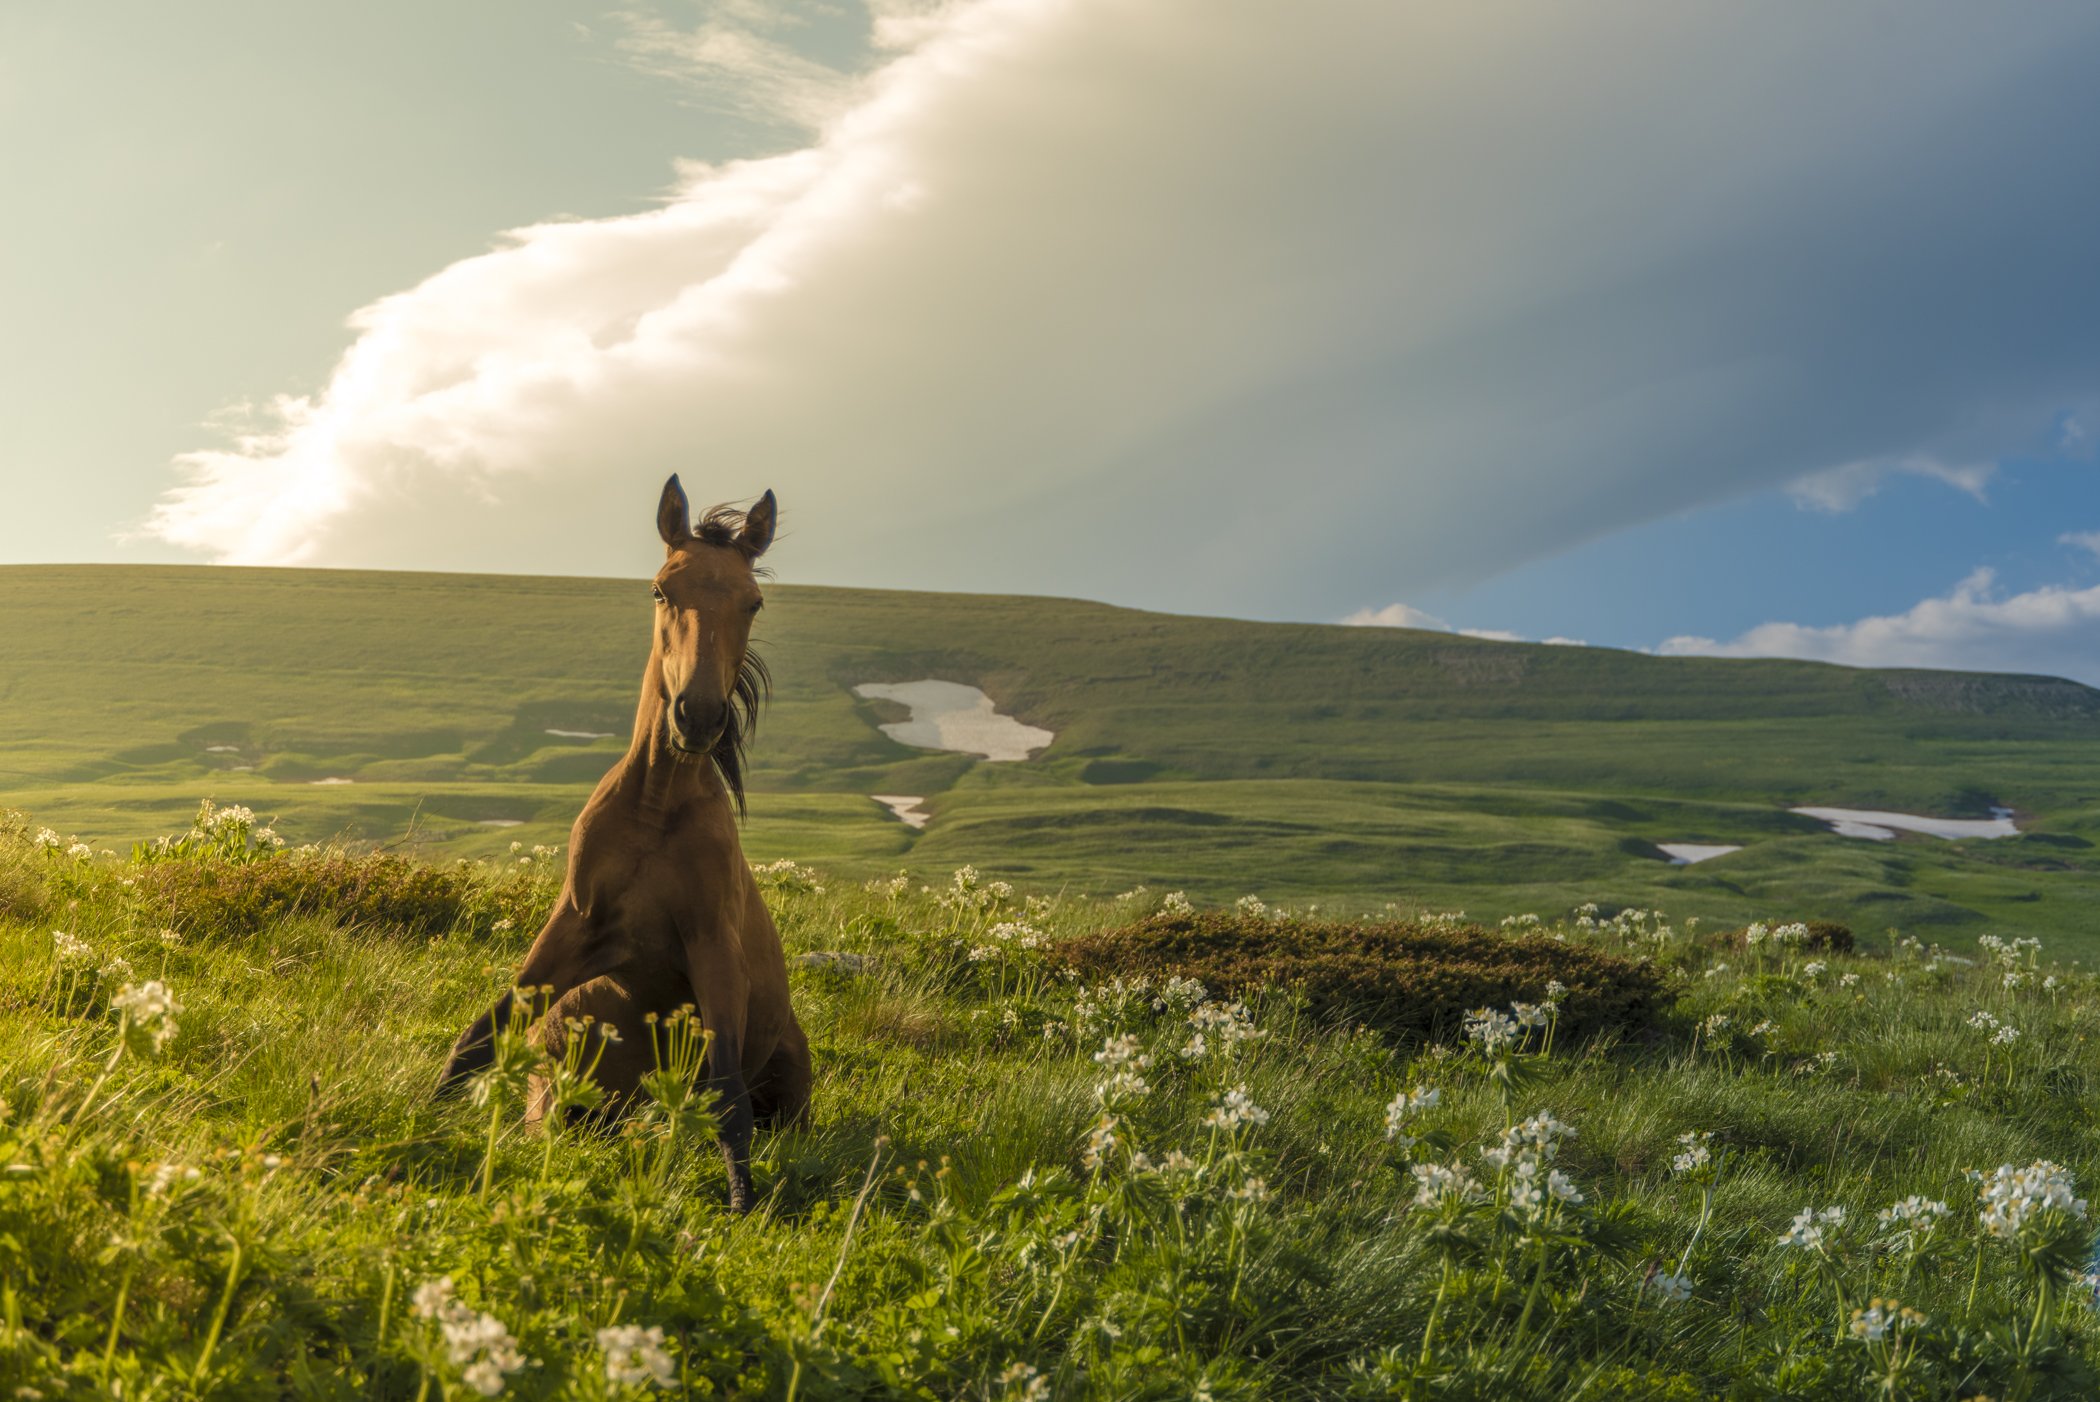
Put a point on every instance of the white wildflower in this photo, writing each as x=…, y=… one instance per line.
x=1883, y=1318
x=1810, y=1229
x=1697, y=1152
x=1674, y=1289
x=150, y=1008
x=2014, y=1196
x=1403, y=1107
x=634, y=1355
x=1436, y=1184
x=1236, y=1109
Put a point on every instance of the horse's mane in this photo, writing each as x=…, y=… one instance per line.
x=722, y=525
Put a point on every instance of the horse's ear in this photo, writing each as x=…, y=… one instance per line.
x=674, y=516
x=759, y=522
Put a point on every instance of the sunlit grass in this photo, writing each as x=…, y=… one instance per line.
x=1020, y=1185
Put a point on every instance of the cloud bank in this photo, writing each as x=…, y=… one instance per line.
x=1261, y=309
x=2052, y=631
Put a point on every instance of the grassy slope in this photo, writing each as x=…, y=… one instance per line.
x=330, y=1185
x=1357, y=765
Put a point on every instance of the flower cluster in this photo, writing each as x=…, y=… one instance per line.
x=475, y=1343
x=1495, y=1032
x=788, y=875
x=1124, y=1059
x=2014, y=1196
x=634, y=1355
x=1404, y=1107
x=1017, y=933
x=1882, y=1318
x=1437, y=1184
x=2001, y=1033
x=149, y=1009
x=1524, y=1154
x=1221, y=1027
x=1235, y=1109
x=1812, y=1228
x=1697, y=1153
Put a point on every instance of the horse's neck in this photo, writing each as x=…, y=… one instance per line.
x=661, y=783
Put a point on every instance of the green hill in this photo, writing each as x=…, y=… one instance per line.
x=1217, y=756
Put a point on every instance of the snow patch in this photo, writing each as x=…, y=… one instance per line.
x=1684, y=854
x=954, y=717
x=905, y=806
x=1877, y=826
x=582, y=734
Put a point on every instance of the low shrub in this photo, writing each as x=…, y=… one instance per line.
x=1823, y=937
x=1413, y=979
x=365, y=889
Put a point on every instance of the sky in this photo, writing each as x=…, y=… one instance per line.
x=1724, y=329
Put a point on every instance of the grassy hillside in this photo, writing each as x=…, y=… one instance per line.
x=1361, y=766
x=233, y=1182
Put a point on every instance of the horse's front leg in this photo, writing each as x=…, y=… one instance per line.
x=725, y=1075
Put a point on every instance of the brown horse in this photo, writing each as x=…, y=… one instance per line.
x=659, y=908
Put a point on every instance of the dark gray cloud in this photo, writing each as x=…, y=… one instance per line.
x=1267, y=309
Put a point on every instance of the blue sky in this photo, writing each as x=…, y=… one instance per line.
x=1722, y=571
x=1702, y=329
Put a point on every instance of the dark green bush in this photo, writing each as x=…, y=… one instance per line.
x=1824, y=936
x=1402, y=977
x=371, y=889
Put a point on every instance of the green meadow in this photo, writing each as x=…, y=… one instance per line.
x=1713, y=1165
x=1355, y=767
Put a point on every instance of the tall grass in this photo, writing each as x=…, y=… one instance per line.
x=1021, y=1183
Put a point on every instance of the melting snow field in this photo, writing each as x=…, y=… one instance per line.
x=1683, y=854
x=582, y=734
x=905, y=806
x=955, y=717
x=320, y=783
x=502, y=822
x=1883, y=827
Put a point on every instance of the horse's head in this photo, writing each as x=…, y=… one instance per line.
x=706, y=598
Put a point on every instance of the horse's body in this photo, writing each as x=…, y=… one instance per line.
x=659, y=908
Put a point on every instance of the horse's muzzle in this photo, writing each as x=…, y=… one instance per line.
x=695, y=726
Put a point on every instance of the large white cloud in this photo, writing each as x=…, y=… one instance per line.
x=2053, y=631
x=1263, y=308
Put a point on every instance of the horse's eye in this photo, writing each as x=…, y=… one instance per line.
x=656, y=592
x=756, y=607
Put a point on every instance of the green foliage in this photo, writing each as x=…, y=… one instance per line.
x=248, y=894
x=1414, y=978
x=222, y=1173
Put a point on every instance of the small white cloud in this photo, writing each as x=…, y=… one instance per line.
x=1841, y=488
x=1493, y=635
x=1396, y=616
x=2052, y=631
x=734, y=62
x=1565, y=642
x=2084, y=540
